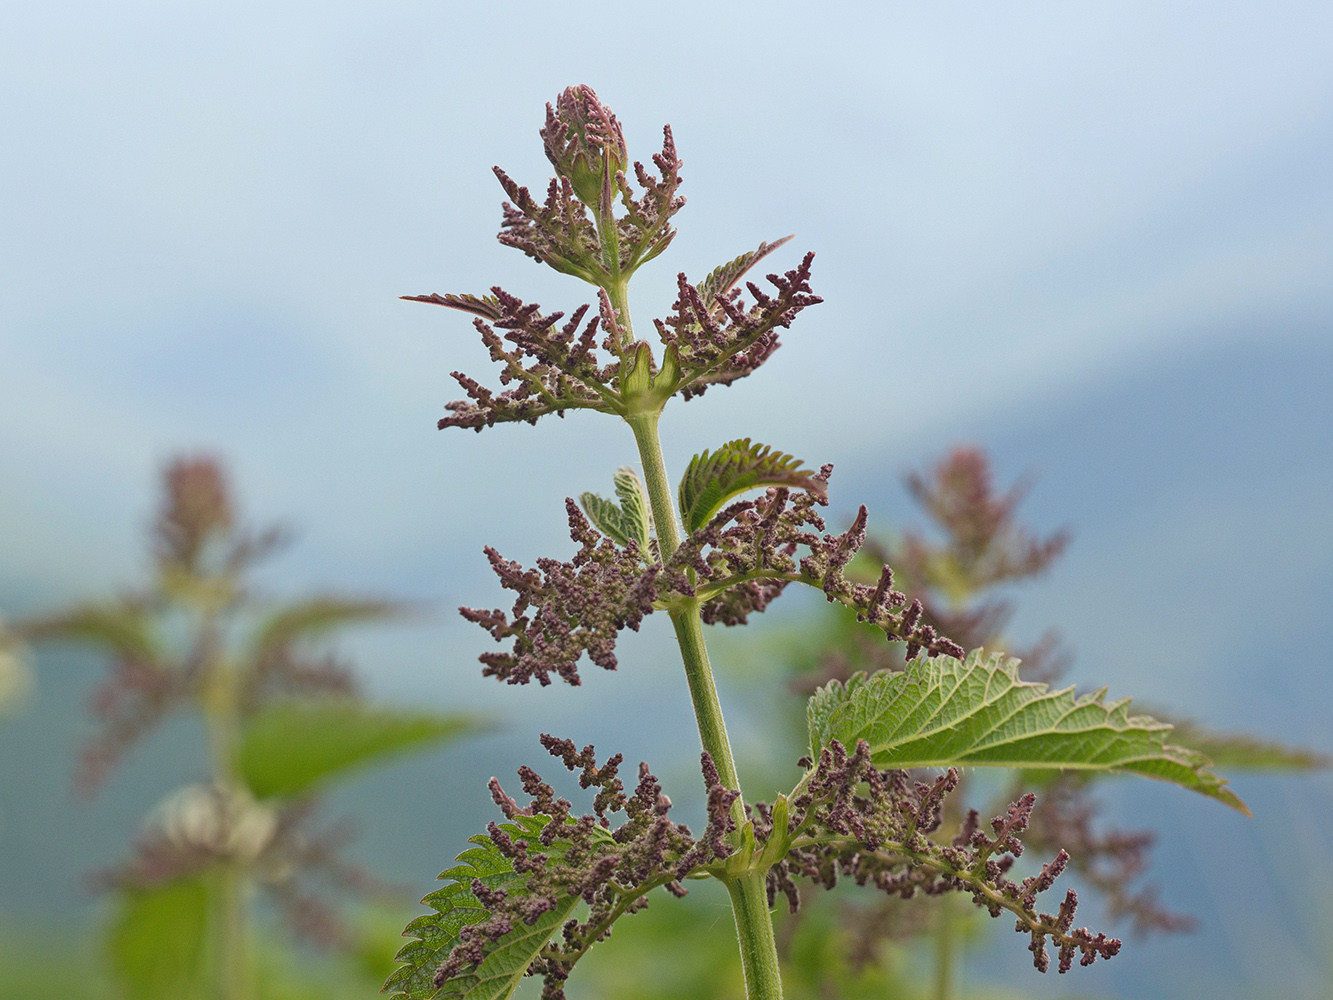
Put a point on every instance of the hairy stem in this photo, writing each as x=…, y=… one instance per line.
x=685, y=617
x=230, y=927
x=754, y=931
x=754, y=926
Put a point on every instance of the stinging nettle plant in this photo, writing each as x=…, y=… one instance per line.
x=282, y=718
x=542, y=887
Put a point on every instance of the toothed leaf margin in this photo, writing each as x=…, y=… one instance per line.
x=713, y=478
x=941, y=712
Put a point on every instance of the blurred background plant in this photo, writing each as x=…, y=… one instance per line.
x=858, y=943
x=1095, y=237
x=15, y=675
x=221, y=860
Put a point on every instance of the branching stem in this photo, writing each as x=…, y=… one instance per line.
x=754, y=926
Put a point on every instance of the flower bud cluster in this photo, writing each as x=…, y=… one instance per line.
x=1110, y=861
x=585, y=144
x=559, y=856
x=551, y=368
x=852, y=820
x=737, y=563
x=751, y=550
x=566, y=609
x=719, y=338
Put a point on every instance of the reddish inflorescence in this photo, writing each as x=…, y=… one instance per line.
x=879, y=837
x=742, y=559
x=566, y=609
x=611, y=870
x=718, y=337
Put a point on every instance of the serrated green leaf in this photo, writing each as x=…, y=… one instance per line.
x=455, y=907
x=485, y=306
x=315, y=616
x=724, y=277
x=713, y=478
x=606, y=516
x=941, y=712
x=631, y=518
x=157, y=942
x=634, y=505
x=289, y=747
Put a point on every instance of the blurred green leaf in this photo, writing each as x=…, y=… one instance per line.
x=123, y=628
x=288, y=747
x=941, y=711
x=1243, y=752
x=156, y=945
x=315, y=616
x=15, y=674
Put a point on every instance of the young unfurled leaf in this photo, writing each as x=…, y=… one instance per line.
x=713, y=478
x=941, y=711
x=456, y=906
x=634, y=502
x=631, y=518
x=724, y=277
x=287, y=748
x=606, y=516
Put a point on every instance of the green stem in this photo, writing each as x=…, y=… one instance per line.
x=749, y=905
x=230, y=917
x=754, y=931
x=685, y=618
x=945, y=947
x=703, y=695
x=230, y=928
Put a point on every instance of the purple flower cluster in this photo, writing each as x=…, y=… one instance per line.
x=566, y=609
x=713, y=336
x=735, y=565
x=879, y=837
x=1110, y=861
x=716, y=336
x=585, y=144
x=558, y=856
x=746, y=555
x=551, y=368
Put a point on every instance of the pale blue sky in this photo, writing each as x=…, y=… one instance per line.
x=209, y=208
x=207, y=211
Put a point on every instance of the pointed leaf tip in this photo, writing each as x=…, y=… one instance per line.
x=942, y=712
